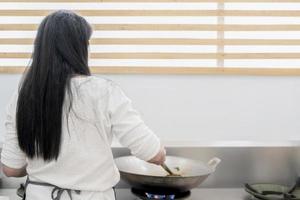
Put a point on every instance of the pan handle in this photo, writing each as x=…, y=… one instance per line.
x=213, y=163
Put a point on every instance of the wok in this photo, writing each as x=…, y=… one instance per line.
x=146, y=176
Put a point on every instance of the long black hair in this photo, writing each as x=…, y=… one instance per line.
x=60, y=52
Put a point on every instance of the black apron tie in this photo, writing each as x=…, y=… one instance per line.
x=56, y=192
x=59, y=191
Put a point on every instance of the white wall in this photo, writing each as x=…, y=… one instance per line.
x=206, y=107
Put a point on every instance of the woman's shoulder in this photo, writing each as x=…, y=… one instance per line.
x=96, y=85
x=102, y=82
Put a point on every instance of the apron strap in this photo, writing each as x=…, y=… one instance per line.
x=25, y=188
x=59, y=191
x=114, y=189
x=56, y=192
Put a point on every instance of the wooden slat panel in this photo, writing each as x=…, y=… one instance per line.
x=141, y=27
x=166, y=41
x=119, y=1
x=262, y=56
x=18, y=27
x=201, y=27
x=158, y=27
x=266, y=13
x=154, y=55
x=262, y=42
x=175, y=55
x=163, y=41
x=168, y=27
x=159, y=1
x=16, y=41
x=109, y=1
x=115, y=1
x=286, y=27
x=196, y=70
x=11, y=70
x=177, y=70
x=14, y=55
x=183, y=41
x=115, y=12
x=260, y=1
x=130, y=55
x=220, y=35
x=152, y=41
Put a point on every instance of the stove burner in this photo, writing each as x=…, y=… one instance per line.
x=147, y=195
x=159, y=196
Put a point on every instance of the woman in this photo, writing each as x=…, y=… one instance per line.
x=61, y=122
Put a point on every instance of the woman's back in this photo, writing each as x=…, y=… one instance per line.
x=86, y=137
x=99, y=110
x=61, y=122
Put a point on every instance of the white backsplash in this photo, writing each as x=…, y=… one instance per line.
x=206, y=108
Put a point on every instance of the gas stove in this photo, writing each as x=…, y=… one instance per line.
x=195, y=194
x=155, y=195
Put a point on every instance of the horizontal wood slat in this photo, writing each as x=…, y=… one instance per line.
x=167, y=27
x=195, y=70
x=18, y=27
x=131, y=55
x=265, y=13
x=200, y=27
x=159, y=1
x=115, y=1
x=175, y=55
x=154, y=55
x=166, y=41
x=262, y=42
x=177, y=70
x=16, y=41
x=262, y=56
x=115, y=12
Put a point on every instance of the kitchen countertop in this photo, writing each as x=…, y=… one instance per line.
x=196, y=194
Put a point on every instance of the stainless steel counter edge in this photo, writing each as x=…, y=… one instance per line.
x=229, y=143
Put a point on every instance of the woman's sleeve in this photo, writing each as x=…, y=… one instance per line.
x=11, y=154
x=129, y=128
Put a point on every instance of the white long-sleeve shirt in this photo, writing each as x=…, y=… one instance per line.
x=100, y=109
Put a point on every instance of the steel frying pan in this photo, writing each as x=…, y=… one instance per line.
x=143, y=175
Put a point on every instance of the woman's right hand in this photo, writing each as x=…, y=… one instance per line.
x=160, y=157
